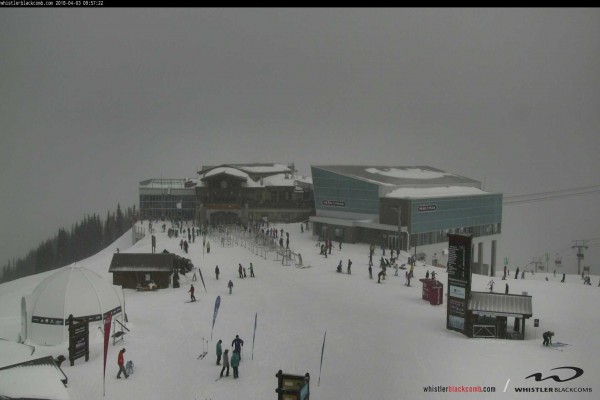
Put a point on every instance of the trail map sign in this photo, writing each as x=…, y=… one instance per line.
x=459, y=281
x=79, y=339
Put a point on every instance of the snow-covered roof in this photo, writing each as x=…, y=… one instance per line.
x=400, y=176
x=498, y=303
x=226, y=171
x=430, y=192
x=142, y=262
x=36, y=379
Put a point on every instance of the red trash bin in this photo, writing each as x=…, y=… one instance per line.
x=436, y=294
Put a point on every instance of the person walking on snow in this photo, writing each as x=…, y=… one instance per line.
x=235, y=363
x=191, y=292
x=251, y=268
x=121, y=362
x=240, y=271
x=219, y=351
x=349, y=268
x=230, y=286
x=225, y=363
x=217, y=271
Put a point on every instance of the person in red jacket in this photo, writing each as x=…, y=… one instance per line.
x=121, y=363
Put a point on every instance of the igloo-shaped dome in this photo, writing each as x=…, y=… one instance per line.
x=70, y=290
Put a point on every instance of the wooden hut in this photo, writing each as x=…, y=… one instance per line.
x=130, y=270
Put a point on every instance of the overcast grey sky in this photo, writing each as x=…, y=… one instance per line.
x=94, y=101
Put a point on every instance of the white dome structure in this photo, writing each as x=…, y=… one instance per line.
x=70, y=290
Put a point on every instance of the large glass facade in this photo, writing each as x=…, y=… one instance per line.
x=334, y=192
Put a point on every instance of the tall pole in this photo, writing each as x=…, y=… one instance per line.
x=580, y=244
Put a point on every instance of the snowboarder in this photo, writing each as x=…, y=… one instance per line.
x=121, y=362
x=547, y=338
x=217, y=271
x=251, y=268
x=235, y=362
x=349, y=268
x=230, y=286
x=237, y=345
x=219, y=351
x=240, y=271
x=225, y=363
x=191, y=292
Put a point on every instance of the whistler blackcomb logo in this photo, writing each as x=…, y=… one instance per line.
x=538, y=375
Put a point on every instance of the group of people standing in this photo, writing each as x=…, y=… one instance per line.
x=236, y=356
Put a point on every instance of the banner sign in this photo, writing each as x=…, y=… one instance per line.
x=459, y=281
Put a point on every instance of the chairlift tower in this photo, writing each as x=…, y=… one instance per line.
x=580, y=245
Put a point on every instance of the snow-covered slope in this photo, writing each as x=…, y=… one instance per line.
x=383, y=341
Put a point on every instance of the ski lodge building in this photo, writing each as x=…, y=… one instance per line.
x=411, y=208
x=230, y=194
x=172, y=198
x=250, y=193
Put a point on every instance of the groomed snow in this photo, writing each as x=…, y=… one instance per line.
x=383, y=341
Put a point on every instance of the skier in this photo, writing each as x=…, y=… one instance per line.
x=251, y=268
x=235, y=362
x=339, y=267
x=219, y=351
x=349, y=268
x=547, y=338
x=225, y=363
x=380, y=275
x=240, y=271
x=121, y=362
x=191, y=292
x=237, y=345
x=230, y=286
